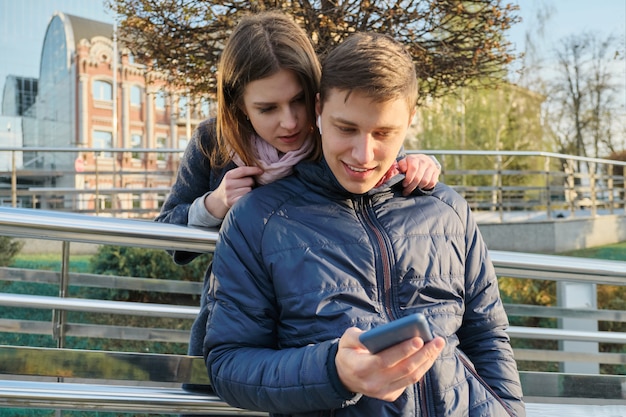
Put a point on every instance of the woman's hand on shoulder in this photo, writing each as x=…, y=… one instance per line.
x=236, y=183
x=421, y=171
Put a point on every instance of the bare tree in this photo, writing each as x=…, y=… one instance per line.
x=454, y=42
x=582, y=95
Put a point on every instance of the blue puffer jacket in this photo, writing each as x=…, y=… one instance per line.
x=194, y=178
x=301, y=260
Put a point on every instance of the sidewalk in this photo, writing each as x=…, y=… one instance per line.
x=575, y=410
x=536, y=216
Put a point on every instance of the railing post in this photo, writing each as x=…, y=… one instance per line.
x=97, y=174
x=571, y=187
x=609, y=184
x=592, y=188
x=546, y=167
x=59, y=316
x=114, y=193
x=13, y=180
x=578, y=295
x=624, y=188
x=498, y=191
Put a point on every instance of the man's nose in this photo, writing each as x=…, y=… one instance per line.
x=363, y=150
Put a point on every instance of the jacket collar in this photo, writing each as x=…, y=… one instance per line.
x=319, y=177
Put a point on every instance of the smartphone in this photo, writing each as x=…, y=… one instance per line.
x=389, y=334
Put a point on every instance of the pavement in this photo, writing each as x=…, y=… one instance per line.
x=532, y=216
x=575, y=410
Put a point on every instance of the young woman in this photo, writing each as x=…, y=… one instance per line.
x=267, y=80
x=268, y=76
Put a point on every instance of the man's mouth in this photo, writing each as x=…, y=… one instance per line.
x=356, y=169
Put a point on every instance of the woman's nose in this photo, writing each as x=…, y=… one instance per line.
x=288, y=119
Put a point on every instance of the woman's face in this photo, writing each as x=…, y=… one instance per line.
x=277, y=110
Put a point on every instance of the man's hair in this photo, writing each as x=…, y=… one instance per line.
x=261, y=45
x=371, y=63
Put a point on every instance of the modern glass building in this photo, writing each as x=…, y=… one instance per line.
x=18, y=95
x=91, y=94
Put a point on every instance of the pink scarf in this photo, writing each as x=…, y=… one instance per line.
x=274, y=165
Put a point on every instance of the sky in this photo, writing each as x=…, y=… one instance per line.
x=570, y=17
x=23, y=24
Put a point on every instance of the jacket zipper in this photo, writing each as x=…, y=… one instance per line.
x=384, y=253
x=421, y=385
x=364, y=211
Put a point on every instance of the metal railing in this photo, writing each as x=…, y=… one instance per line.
x=554, y=183
x=134, y=182
x=118, y=182
x=71, y=227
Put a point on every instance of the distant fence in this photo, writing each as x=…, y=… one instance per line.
x=118, y=182
x=505, y=181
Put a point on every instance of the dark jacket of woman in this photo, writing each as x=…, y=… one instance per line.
x=195, y=178
x=301, y=260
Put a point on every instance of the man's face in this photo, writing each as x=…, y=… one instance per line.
x=361, y=138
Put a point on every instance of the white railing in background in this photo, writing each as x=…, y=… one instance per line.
x=120, y=182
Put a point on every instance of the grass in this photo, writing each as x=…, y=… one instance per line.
x=50, y=262
x=615, y=251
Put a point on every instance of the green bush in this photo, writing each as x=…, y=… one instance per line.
x=147, y=263
x=8, y=249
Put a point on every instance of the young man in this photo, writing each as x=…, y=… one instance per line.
x=306, y=264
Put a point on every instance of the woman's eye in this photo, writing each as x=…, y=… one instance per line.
x=266, y=109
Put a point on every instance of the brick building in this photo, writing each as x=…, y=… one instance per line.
x=89, y=99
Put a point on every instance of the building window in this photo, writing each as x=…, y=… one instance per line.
x=136, y=201
x=161, y=143
x=103, y=140
x=102, y=90
x=159, y=100
x=135, y=143
x=135, y=95
x=182, y=142
x=183, y=104
x=205, y=108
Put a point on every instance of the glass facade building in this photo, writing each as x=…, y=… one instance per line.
x=18, y=95
x=91, y=94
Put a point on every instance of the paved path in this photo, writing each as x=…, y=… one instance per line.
x=575, y=410
x=531, y=216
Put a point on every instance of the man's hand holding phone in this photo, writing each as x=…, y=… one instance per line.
x=386, y=374
x=389, y=334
